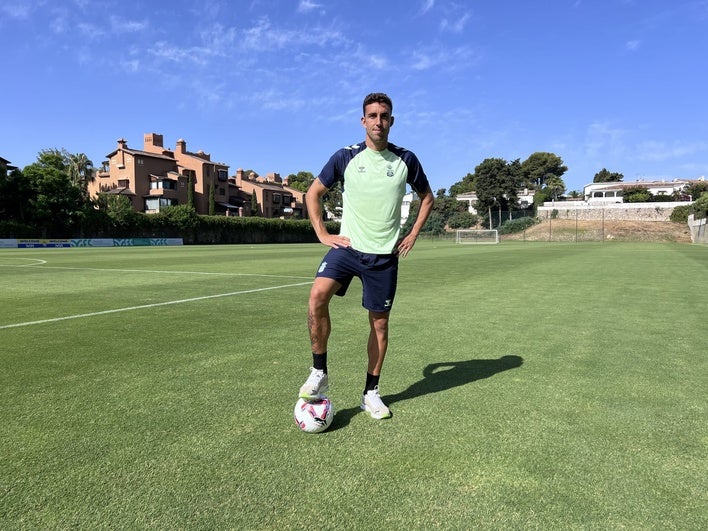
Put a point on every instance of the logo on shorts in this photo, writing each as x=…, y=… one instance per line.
x=387, y=303
x=323, y=266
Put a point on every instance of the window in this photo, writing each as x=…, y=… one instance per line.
x=276, y=198
x=223, y=175
x=287, y=199
x=162, y=184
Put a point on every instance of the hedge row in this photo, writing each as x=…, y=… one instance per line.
x=193, y=229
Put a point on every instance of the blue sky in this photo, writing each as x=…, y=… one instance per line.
x=276, y=86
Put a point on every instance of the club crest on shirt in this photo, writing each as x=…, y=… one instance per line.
x=389, y=172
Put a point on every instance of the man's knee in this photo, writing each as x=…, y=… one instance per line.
x=379, y=322
x=321, y=292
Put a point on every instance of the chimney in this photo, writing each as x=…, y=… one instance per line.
x=181, y=146
x=122, y=144
x=154, y=141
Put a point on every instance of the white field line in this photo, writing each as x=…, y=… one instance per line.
x=176, y=272
x=154, y=305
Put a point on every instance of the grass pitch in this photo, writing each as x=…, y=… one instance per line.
x=533, y=386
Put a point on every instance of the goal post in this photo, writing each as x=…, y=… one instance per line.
x=477, y=236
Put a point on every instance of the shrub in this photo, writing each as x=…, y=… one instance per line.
x=680, y=214
x=700, y=206
x=516, y=225
x=462, y=220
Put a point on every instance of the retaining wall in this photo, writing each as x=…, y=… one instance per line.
x=699, y=229
x=610, y=212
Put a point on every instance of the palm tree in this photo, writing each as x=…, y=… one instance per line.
x=555, y=185
x=81, y=171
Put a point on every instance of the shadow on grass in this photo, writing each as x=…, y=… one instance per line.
x=439, y=377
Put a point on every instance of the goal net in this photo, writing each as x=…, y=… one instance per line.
x=477, y=236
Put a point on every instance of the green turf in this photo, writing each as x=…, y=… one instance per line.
x=533, y=386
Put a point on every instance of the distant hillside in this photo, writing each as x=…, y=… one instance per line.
x=565, y=230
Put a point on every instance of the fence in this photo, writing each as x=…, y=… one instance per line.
x=577, y=229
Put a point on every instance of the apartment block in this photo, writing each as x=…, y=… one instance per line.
x=155, y=177
x=274, y=197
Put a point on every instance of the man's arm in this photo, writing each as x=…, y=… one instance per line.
x=426, y=206
x=313, y=200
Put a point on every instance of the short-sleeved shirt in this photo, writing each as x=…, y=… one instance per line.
x=373, y=186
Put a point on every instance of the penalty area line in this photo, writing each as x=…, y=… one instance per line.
x=154, y=305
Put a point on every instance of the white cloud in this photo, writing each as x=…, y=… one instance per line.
x=653, y=150
x=19, y=10
x=131, y=66
x=427, y=6
x=449, y=59
x=603, y=141
x=305, y=6
x=120, y=25
x=632, y=46
x=456, y=24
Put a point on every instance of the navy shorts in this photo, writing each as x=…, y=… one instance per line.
x=378, y=274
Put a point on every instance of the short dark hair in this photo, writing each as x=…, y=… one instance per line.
x=377, y=97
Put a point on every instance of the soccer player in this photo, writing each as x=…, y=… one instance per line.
x=374, y=175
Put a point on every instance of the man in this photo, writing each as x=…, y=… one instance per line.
x=374, y=177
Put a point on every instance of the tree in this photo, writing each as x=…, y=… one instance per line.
x=300, y=181
x=15, y=192
x=604, y=176
x=190, y=190
x=80, y=170
x=55, y=202
x=254, y=203
x=555, y=186
x=696, y=189
x=212, y=205
x=496, y=184
x=540, y=166
x=118, y=208
x=637, y=194
x=465, y=185
x=462, y=220
x=700, y=206
x=332, y=200
x=435, y=224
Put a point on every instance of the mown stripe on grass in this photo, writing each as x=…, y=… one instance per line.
x=143, y=306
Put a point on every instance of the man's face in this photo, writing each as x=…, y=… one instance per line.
x=377, y=121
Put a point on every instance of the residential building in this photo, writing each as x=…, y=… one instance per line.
x=5, y=164
x=406, y=206
x=524, y=195
x=613, y=192
x=155, y=177
x=274, y=197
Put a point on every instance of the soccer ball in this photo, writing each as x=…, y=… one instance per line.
x=315, y=416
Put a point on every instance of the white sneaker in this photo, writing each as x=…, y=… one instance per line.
x=315, y=385
x=371, y=403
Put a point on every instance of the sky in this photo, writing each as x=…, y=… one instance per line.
x=277, y=86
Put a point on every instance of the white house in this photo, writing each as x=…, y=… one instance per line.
x=525, y=199
x=608, y=193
